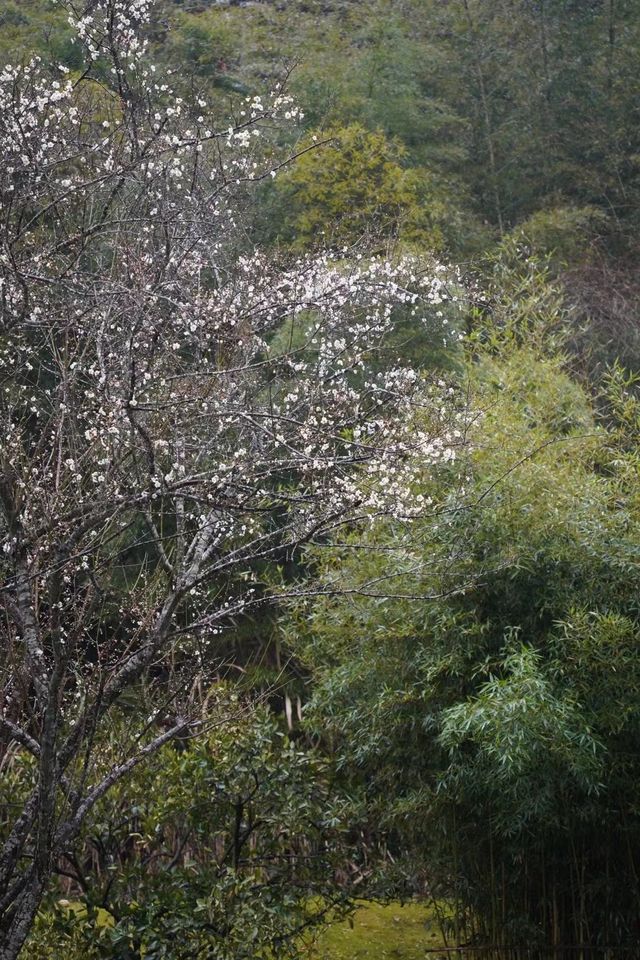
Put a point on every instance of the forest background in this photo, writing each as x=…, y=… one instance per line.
x=466, y=732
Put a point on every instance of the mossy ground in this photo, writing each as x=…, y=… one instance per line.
x=390, y=932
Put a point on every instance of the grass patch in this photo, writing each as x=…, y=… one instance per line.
x=380, y=932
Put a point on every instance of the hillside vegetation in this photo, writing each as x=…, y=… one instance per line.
x=319, y=500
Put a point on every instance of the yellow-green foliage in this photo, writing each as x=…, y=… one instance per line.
x=355, y=186
x=562, y=234
x=69, y=930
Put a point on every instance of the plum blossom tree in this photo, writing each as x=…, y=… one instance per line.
x=176, y=411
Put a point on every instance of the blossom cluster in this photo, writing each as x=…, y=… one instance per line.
x=159, y=371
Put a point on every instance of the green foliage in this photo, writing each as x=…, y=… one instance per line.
x=519, y=304
x=565, y=234
x=493, y=724
x=528, y=743
x=224, y=847
x=513, y=115
x=36, y=27
x=490, y=732
x=518, y=108
x=206, y=47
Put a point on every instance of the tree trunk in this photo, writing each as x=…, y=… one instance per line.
x=486, y=116
x=14, y=935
